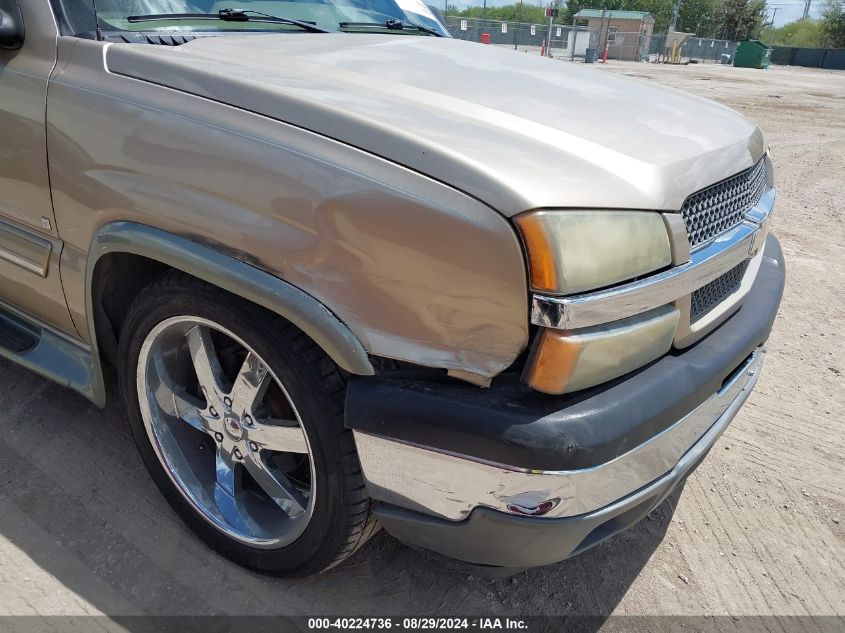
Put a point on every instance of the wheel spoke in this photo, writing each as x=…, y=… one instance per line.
x=284, y=436
x=226, y=472
x=250, y=385
x=206, y=363
x=226, y=489
x=277, y=486
x=175, y=401
x=187, y=408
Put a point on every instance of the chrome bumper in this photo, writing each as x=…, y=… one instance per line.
x=451, y=486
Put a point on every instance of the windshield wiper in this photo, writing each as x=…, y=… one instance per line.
x=227, y=15
x=393, y=25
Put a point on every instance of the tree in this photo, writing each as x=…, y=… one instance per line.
x=661, y=11
x=529, y=13
x=744, y=19
x=809, y=33
x=728, y=19
x=705, y=18
x=573, y=6
x=697, y=16
x=833, y=21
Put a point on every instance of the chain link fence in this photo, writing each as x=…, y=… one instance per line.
x=699, y=49
x=522, y=35
x=832, y=58
x=570, y=42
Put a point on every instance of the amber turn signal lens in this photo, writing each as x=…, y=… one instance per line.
x=542, y=265
x=553, y=361
x=563, y=361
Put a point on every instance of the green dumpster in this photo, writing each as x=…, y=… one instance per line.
x=752, y=54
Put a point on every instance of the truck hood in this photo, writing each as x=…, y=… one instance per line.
x=514, y=130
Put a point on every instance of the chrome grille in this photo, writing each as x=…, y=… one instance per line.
x=720, y=207
x=708, y=297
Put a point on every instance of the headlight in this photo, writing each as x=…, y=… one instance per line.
x=574, y=251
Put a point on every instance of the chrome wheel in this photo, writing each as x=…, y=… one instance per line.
x=226, y=431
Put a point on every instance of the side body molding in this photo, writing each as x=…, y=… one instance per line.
x=231, y=274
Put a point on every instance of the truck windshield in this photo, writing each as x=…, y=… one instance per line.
x=329, y=15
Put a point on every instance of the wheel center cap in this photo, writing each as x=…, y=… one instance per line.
x=234, y=428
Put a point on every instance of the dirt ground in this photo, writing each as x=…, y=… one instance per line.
x=759, y=528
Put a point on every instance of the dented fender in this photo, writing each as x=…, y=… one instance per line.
x=415, y=270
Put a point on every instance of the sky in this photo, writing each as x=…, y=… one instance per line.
x=791, y=10
x=787, y=10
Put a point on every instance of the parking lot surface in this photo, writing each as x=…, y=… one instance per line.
x=758, y=529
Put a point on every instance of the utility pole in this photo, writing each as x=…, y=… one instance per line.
x=552, y=12
x=713, y=20
x=676, y=11
x=602, y=33
x=806, y=9
x=518, y=26
x=484, y=17
x=774, y=13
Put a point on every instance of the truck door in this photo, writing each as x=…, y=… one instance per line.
x=29, y=244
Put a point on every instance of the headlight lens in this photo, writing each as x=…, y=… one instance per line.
x=571, y=251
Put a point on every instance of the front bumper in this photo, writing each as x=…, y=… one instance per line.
x=457, y=469
x=493, y=538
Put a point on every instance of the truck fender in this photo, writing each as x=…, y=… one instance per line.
x=231, y=274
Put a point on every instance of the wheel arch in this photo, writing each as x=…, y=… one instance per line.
x=119, y=247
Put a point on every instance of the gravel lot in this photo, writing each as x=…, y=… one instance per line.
x=759, y=528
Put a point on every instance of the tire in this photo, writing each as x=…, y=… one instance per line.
x=317, y=512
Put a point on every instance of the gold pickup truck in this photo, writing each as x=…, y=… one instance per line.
x=350, y=272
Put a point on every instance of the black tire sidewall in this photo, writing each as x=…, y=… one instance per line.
x=275, y=341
